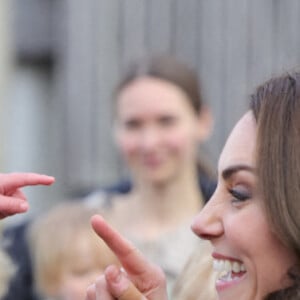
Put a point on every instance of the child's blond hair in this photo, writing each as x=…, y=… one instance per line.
x=53, y=237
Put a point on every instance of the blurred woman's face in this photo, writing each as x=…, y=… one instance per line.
x=251, y=260
x=156, y=129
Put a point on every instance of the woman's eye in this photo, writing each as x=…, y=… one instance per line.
x=167, y=120
x=239, y=195
x=132, y=124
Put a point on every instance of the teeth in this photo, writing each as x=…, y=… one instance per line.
x=227, y=266
x=236, y=267
x=222, y=265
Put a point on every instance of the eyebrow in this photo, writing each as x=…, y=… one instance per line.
x=228, y=172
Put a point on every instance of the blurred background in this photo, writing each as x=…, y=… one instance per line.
x=61, y=59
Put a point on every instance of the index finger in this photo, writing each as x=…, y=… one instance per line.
x=129, y=256
x=13, y=181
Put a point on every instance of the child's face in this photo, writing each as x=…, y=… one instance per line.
x=81, y=270
x=76, y=282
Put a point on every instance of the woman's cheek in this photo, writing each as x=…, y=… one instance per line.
x=180, y=142
x=127, y=145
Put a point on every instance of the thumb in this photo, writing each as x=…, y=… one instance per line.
x=120, y=285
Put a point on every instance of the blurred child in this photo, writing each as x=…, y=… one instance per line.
x=66, y=254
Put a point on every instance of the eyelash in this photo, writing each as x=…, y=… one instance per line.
x=239, y=196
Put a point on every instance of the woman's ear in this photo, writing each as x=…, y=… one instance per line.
x=205, y=124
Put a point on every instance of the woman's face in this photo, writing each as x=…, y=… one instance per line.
x=156, y=129
x=252, y=262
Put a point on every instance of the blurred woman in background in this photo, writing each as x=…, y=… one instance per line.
x=160, y=121
x=66, y=253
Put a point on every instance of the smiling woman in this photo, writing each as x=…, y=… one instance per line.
x=246, y=250
x=253, y=218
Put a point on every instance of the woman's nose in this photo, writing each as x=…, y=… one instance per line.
x=150, y=138
x=208, y=224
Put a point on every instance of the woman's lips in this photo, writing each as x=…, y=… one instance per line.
x=217, y=255
x=152, y=162
x=229, y=280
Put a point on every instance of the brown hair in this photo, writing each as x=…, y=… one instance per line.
x=170, y=69
x=276, y=107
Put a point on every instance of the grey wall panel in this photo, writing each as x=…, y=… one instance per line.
x=234, y=45
x=211, y=66
x=79, y=92
x=260, y=36
x=184, y=41
x=235, y=53
x=286, y=24
x=107, y=62
x=159, y=25
x=132, y=30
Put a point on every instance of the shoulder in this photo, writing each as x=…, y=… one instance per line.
x=15, y=235
x=103, y=197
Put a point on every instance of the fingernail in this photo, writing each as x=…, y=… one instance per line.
x=117, y=275
x=24, y=206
